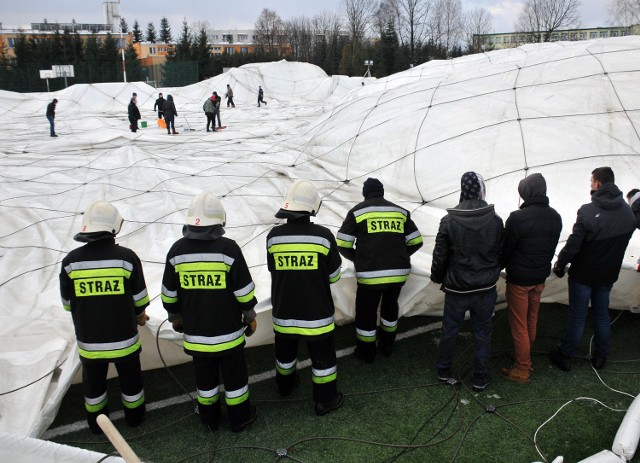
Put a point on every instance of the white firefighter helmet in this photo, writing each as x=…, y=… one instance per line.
x=303, y=197
x=206, y=210
x=101, y=216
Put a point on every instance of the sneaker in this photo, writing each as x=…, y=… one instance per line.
x=598, y=361
x=252, y=418
x=516, y=375
x=559, y=359
x=54, y=136
x=322, y=408
x=480, y=387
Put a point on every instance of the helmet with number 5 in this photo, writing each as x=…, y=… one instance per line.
x=205, y=210
x=302, y=199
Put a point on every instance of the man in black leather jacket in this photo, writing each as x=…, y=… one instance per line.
x=466, y=263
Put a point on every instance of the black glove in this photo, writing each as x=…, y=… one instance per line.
x=559, y=272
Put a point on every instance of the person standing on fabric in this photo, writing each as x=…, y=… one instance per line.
x=159, y=104
x=379, y=237
x=209, y=294
x=466, y=264
x=304, y=261
x=102, y=285
x=595, y=250
x=530, y=238
x=170, y=115
x=134, y=113
x=216, y=106
x=209, y=110
x=261, y=96
x=229, y=96
x=51, y=115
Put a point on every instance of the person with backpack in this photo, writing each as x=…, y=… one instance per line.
x=209, y=110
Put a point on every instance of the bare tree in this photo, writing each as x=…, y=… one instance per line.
x=269, y=28
x=359, y=16
x=624, y=12
x=328, y=35
x=541, y=18
x=477, y=22
x=300, y=34
x=446, y=23
x=413, y=15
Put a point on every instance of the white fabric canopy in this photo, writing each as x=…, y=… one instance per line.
x=560, y=109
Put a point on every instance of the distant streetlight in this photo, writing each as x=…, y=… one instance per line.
x=368, y=64
x=124, y=70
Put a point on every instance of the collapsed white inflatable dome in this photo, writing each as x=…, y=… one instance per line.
x=560, y=109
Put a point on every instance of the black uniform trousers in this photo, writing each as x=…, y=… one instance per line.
x=323, y=365
x=94, y=385
x=368, y=297
x=233, y=367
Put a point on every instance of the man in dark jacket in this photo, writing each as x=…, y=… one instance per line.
x=208, y=292
x=134, y=113
x=159, y=105
x=304, y=261
x=530, y=239
x=102, y=285
x=595, y=250
x=51, y=115
x=379, y=237
x=466, y=264
x=170, y=114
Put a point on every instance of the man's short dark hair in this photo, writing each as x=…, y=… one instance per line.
x=632, y=193
x=603, y=175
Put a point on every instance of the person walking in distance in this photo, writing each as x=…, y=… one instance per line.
x=51, y=115
x=170, y=115
x=102, y=285
x=379, y=237
x=261, y=96
x=208, y=293
x=134, y=113
x=466, y=264
x=229, y=96
x=159, y=105
x=530, y=238
x=595, y=250
x=304, y=261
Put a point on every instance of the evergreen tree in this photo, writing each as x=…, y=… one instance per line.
x=124, y=27
x=201, y=53
x=137, y=33
x=388, y=50
x=182, y=50
x=151, y=33
x=110, y=59
x=165, y=30
x=132, y=64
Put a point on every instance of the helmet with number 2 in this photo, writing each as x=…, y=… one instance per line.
x=206, y=210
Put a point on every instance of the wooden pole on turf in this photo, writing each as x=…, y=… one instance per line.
x=117, y=440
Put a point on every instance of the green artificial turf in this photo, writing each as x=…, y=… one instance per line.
x=395, y=410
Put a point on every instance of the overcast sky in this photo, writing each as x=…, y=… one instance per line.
x=239, y=14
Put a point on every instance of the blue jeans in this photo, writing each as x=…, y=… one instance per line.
x=52, y=126
x=579, y=296
x=480, y=307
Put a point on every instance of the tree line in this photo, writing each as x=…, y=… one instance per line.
x=394, y=34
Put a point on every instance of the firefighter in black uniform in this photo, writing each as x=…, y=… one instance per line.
x=303, y=260
x=103, y=287
x=379, y=237
x=209, y=294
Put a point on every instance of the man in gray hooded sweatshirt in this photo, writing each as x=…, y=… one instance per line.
x=466, y=263
x=530, y=239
